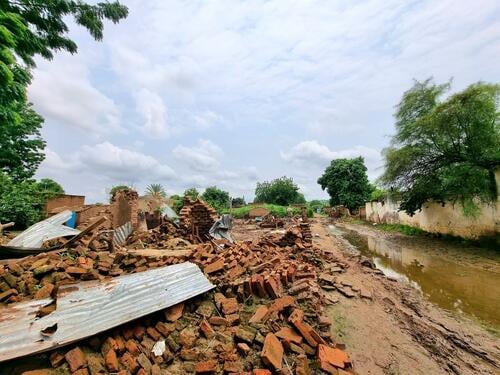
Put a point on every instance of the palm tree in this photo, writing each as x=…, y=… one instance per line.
x=156, y=191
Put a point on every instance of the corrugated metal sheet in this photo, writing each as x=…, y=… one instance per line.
x=50, y=228
x=88, y=308
x=121, y=233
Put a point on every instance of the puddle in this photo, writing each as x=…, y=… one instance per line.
x=457, y=278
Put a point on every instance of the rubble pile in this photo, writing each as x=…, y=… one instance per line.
x=196, y=218
x=39, y=276
x=270, y=221
x=266, y=316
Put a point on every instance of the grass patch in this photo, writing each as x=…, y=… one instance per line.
x=278, y=211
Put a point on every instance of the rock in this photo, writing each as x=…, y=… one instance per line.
x=272, y=352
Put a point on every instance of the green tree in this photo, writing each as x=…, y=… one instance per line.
x=444, y=150
x=23, y=201
x=346, y=182
x=29, y=28
x=238, y=202
x=192, y=193
x=116, y=188
x=178, y=202
x=156, y=191
x=217, y=198
x=282, y=191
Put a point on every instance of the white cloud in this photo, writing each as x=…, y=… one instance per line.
x=206, y=119
x=202, y=157
x=151, y=108
x=62, y=91
x=122, y=164
x=318, y=155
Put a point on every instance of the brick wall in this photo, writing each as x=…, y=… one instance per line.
x=63, y=202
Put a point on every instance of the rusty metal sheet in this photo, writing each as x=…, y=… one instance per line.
x=47, y=229
x=87, y=308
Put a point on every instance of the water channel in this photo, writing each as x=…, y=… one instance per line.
x=459, y=278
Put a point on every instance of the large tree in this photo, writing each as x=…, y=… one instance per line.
x=282, y=191
x=445, y=150
x=30, y=28
x=346, y=182
x=217, y=198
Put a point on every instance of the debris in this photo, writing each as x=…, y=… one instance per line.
x=220, y=229
x=98, y=305
x=47, y=229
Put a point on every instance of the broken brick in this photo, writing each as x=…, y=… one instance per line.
x=229, y=306
x=272, y=352
x=207, y=329
x=206, y=367
x=75, y=359
x=214, y=267
x=259, y=315
x=288, y=334
x=174, y=313
x=332, y=356
x=111, y=361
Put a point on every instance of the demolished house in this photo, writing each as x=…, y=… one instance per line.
x=147, y=306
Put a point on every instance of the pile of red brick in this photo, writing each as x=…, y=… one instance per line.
x=39, y=276
x=196, y=218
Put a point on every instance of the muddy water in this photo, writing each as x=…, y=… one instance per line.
x=457, y=278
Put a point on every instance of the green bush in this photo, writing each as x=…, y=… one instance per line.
x=274, y=209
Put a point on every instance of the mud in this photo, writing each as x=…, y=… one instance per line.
x=396, y=330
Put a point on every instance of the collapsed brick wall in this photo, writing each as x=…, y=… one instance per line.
x=124, y=208
x=197, y=217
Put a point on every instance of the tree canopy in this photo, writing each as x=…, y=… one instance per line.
x=156, y=191
x=29, y=28
x=282, y=191
x=444, y=150
x=192, y=193
x=346, y=182
x=217, y=198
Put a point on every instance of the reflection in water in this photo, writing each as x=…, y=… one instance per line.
x=463, y=279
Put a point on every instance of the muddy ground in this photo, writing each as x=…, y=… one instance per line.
x=396, y=331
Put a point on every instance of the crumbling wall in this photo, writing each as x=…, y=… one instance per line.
x=124, y=208
x=436, y=218
x=197, y=217
x=64, y=202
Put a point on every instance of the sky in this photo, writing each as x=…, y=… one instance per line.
x=229, y=93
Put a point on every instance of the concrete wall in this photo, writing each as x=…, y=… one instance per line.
x=435, y=218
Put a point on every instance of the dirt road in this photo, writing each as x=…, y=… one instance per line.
x=393, y=330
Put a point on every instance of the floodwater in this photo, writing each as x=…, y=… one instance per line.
x=458, y=278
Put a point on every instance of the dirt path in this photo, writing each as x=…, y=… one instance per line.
x=393, y=330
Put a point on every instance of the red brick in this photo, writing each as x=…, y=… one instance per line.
x=302, y=367
x=132, y=347
x=296, y=315
x=243, y=348
x=129, y=361
x=139, y=332
x=75, y=359
x=230, y=306
x=332, y=356
x=218, y=321
x=288, y=334
x=214, y=267
x=258, y=286
x=75, y=270
x=305, y=330
x=273, y=288
x=154, y=334
x=174, y=313
x=207, y=329
x=44, y=292
x=111, y=361
x=280, y=304
x=206, y=367
x=56, y=359
x=272, y=352
x=260, y=314
x=260, y=371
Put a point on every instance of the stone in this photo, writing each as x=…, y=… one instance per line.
x=272, y=352
x=75, y=359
